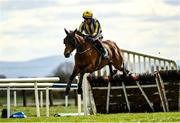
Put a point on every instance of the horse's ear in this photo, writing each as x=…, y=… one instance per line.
x=75, y=31
x=66, y=31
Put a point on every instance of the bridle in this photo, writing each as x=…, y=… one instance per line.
x=78, y=46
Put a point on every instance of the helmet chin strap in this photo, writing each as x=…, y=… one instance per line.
x=87, y=21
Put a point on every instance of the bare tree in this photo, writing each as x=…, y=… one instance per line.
x=64, y=71
x=2, y=76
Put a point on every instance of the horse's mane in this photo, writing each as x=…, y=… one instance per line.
x=80, y=33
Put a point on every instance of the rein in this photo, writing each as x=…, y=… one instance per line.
x=78, y=45
x=84, y=51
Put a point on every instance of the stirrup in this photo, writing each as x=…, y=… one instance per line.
x=105, y=56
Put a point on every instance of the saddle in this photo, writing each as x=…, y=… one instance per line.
x=97, y=43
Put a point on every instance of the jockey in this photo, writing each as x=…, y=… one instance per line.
x=92, y=28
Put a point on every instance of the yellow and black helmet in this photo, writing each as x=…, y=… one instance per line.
x=87, y=14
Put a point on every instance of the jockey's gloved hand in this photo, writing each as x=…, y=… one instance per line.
x=88, y=37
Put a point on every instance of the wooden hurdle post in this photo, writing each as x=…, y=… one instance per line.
x=108, y=97
x=126, y=97
x=88, y=99
x=109, y=88
x=162, y=93
x=145, y=96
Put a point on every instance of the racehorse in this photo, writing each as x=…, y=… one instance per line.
x=87, y=58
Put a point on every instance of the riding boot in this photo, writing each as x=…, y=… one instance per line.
x=102, y=50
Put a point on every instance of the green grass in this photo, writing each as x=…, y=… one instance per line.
x=121, y=117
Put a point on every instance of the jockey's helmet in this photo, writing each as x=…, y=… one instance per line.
x=87, y=14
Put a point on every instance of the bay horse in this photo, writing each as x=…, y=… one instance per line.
x=87, y=58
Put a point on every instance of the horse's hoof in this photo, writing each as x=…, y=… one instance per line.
x=79, y=90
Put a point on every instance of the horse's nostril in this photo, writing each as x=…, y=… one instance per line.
x=67, y=55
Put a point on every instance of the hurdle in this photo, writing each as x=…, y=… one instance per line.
x=138, y=63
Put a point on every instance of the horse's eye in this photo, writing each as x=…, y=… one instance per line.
x=66, y=41
x=69, y=40
x=72, y=39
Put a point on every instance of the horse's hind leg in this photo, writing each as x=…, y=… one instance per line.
x=122, y=68
x=125, y=70
x=110, y=68
x=117, y=65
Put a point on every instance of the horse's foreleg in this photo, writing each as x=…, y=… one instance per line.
x=80, y=83
x=73, y=75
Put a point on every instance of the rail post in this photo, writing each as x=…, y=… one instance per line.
x=8, y=102
x=47, y=101
x=36, y=99
x=15, y=103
